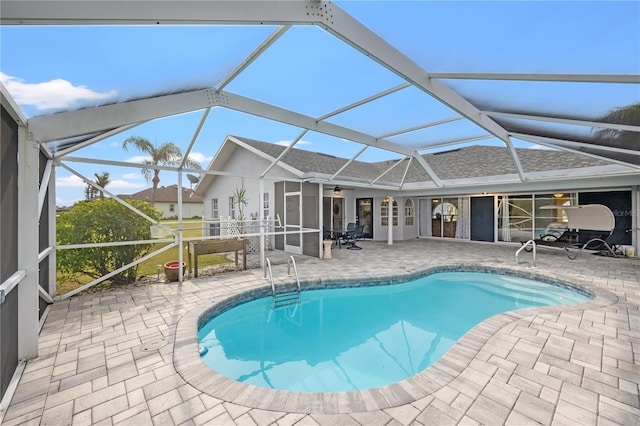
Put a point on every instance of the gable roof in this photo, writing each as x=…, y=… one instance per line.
x=165, y=194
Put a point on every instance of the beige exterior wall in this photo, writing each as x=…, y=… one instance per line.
x=189, y=210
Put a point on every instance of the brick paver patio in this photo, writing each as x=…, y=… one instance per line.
x=128, y=355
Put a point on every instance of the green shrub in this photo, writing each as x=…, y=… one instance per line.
x=99, y=221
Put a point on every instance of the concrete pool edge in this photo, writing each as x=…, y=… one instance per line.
x=450, y=367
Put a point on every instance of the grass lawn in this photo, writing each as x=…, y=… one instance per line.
x=149, y=267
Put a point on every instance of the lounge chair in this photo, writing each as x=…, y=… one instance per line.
x=588, y=227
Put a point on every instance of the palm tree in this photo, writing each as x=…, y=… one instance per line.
x=241, y=200
x=102, y=180
x=167, y=154
x=629, y=114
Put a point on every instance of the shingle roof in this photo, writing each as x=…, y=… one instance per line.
x=468, y=162
x=165, y=194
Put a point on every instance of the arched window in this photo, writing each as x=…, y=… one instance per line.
x=408, y=212
x=384, y=212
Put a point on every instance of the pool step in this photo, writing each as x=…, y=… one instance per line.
x=286, y=299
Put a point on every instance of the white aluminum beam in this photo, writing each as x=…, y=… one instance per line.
x=516, y=160
x=261, y=109
x=10, y=104
x=420, y=127
x=194, y=138
x=116, y=198
x=143, y=12
x=585, y=145
x=357, y=35
x=136, y=165
x=43, y=294
x=106, y=117
x=95, y=139
x=366, y=100
x=44, y=185
x=396, y=164
x=455, y=142
x=253, y=56
x=364, y=147
x=600, y=124
x=117, y=271
x=267, y=157
x=285, y=152
x=10, y=283
x=406, y=170
x=28, y=247
x=549, y=142
x=573, y=78
x=251, y=106
x=73, y=123
x=52, y=233
x=168, y=168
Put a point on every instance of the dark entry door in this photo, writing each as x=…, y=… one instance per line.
x=482, y=219
x=364, y=215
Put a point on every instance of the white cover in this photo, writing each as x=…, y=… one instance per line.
x=589, y=216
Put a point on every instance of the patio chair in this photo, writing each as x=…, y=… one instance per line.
x=349, y=236
x=588, y=227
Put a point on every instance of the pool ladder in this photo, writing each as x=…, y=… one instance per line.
x=531, y=243
x=288, y=297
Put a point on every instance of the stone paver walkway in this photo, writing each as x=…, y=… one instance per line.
x=124, y=356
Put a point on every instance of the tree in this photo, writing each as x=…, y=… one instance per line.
x=630, y=115
x=102, y=180
x=101, y=221
x=167, y=154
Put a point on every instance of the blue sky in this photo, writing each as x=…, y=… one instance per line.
x=50, y=68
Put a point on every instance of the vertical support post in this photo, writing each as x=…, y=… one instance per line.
x=180, y=251
x=321, y=218
x=390, y=222
x=635, y=219
x=52, y=232
x=261, y=221
x=28, y=250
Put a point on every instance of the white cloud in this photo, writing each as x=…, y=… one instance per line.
x=138, y=159
x=287, y=143
x=57, y=93
x=123, y=184
x=195, y=156
x=199, y=157
x=130, y=176
x=72, y=181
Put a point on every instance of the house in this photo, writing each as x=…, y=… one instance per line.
x=480, y=197
x=166, y=199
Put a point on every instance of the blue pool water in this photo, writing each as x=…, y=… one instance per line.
x=359, y=338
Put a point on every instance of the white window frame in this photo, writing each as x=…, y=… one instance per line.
x=409, y=212
x=232, y=208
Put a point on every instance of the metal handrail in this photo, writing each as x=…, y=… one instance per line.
x=295, y=269
x=267, y=267
x=524, y=246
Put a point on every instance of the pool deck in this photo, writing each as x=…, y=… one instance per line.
x=125, y=356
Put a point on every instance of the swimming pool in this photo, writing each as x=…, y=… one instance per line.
x=359, y=338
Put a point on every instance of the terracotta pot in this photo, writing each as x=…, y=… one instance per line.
x=171, y=270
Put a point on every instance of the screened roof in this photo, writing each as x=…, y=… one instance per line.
x=404, y=79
